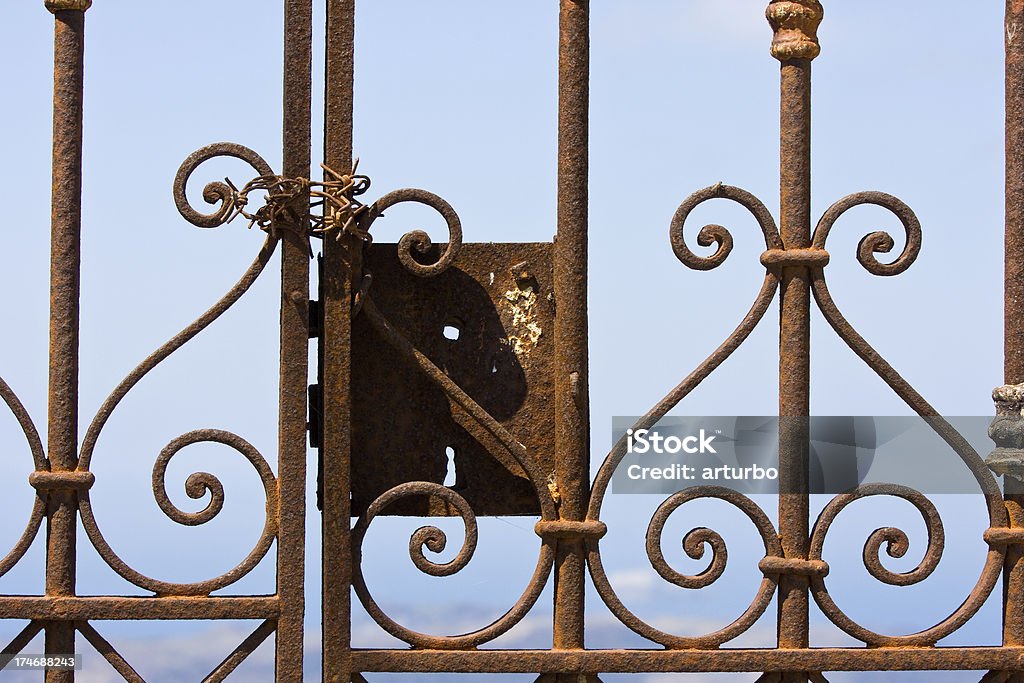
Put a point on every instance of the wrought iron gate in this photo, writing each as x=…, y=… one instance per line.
x=378, y=320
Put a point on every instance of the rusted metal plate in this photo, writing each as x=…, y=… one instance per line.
x=487, y=322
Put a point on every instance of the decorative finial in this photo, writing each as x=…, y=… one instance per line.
x=795, y=23
x=1007, y=431
x=73, y=5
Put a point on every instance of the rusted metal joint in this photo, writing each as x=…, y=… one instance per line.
x=777, y=566
x=795, y=23
x=1003, y=536
x=568, y=530
x=61, y=481
x=1007, y=431
x=784, y=258
x=68, y=5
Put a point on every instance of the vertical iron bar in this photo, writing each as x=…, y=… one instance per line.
x=298, y=46
x=65, y=270
x=342, y=259
x=794, y=45
x=572, y=403
x=1013, y=572
x=1014, y=270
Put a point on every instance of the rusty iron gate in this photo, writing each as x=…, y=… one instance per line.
x=382, y=357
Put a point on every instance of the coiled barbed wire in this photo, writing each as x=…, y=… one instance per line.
x=336, y=195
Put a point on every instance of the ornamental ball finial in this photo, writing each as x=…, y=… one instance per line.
x=73, y=5
x=795, y=23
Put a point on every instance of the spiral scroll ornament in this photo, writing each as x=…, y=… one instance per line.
x=718, y=235
x=231, y=202
x=875, y=242
x=435, y=540
x=197, y=486
x=897, y=544
x=417, y=242
x=694, y=544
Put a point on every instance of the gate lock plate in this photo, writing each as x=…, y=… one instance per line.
x=488, y=323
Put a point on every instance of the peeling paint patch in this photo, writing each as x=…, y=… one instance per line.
x=525, y=331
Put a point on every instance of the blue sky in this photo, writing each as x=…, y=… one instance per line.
x=459, y=98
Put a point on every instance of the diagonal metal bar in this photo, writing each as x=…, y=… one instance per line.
x=244, y=649
x=907, y=393
x=112, y=656
x=232, y=296
x=21, y=641
x=394, y=337
x=751, y=320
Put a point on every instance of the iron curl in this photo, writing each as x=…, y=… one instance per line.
x=197, y=486
x=419, y=241
x=435, y=540
x=431, y=537
x=896, y=544
x=696, y=540
x=694, y=544
x=714, y=234
x=222, y=193
x=895, y=540
x=878, y=242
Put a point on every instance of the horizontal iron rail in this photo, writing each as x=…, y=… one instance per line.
x=127, y=607
x=689, y=661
